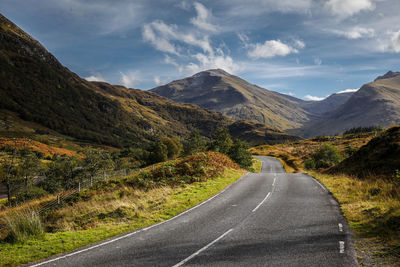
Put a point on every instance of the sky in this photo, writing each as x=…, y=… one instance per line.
x=305, y=48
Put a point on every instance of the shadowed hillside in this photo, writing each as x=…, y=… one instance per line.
x=380, y=157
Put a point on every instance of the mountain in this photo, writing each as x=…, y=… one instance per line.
x=36, y=87
x=380, y=156
x=375, y=103
x=327, y=105
x=220, y=91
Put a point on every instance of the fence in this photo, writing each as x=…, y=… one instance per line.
x=85, y=183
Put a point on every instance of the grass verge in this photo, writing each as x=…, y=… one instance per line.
x=154, y=205
x=372, y=209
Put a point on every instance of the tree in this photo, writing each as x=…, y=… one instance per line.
x=194, y=143
x=30, y=166
x=238, y=153
x=222, y=141
x=10, y=171
x=159, y=152
x=62, y=172
x=174, y=147
x=96, y=160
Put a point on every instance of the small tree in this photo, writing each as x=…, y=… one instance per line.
x=96, y=160
x=326, y=156
x=30, y=167
x=238, y=153
x=159, y=152
x=174, y=147
x=9, y=170
x=222, y=141
x=194, y=143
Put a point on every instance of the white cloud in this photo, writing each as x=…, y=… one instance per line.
x=314, y=98
x=161, y=35
x=299, y=44
x=394, y=43
x=129, y=80
x=355, y=33
x=95, y=78
x=348, y=91
x=347, y=8
x=317, y=61
x=159, y=43
x=158, y=81
x=203, y=15
x=258, y=7
x=288, y=93
x=219, y=61
x=170, y=61
x=270, y=49
x=181, y=44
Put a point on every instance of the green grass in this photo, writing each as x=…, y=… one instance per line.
x=173, y=201
x=257, y=165
x=372, y=209
x=23, y=224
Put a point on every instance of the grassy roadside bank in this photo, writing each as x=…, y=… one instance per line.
x=372, y=209
x=151, y=206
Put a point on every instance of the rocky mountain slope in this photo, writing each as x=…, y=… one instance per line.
x=220, y=91
x=35, y=86
x=375, y=103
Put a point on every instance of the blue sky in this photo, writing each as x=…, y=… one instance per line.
x=306, y=48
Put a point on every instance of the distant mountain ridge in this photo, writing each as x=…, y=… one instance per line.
x=375, y=103
x=220, y=91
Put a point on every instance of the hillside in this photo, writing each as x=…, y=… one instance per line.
x=375, y=103
x=380, y=157
x=37, y=88
x=233, y=96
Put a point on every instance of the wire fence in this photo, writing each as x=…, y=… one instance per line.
x=83, y=184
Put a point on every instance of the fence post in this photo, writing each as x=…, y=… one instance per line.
x=105, y=175
x=79, y=187
x=91, y=180
x=125, y=172
x=58, y=199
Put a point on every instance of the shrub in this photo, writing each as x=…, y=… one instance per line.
x=29, y=193
x=309, y=164
x=22, y=225
x=326, y=156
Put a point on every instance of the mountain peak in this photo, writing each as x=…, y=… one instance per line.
x=212, y=72
x=389, y=74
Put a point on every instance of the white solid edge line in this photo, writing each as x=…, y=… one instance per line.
x=202, y=249
x=261, y=202
x=340, y=227
x=341, y=246
x=135, y=232
x=323, y=187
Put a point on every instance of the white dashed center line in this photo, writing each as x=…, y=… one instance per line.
x=341, y=246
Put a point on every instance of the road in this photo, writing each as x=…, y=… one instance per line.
x=269, y=218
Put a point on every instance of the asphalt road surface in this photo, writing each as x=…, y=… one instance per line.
x=266, y=219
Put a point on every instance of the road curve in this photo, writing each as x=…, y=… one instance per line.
x=269, y=218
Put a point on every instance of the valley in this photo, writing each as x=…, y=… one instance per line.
x=208, y=169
